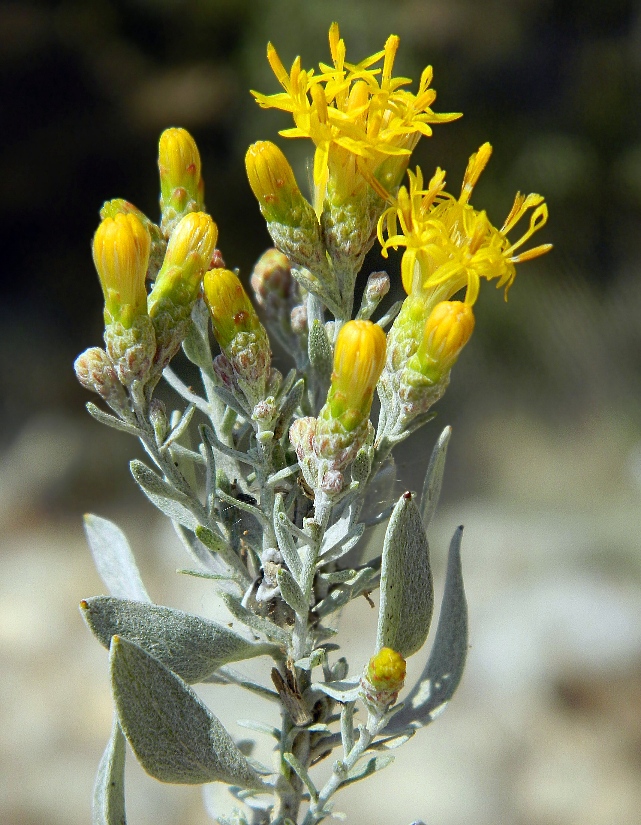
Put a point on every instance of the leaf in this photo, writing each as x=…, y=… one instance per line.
x=270, y=630
x=174, y=504
x=188, y=645
x=288, y=408
x=298, y=767
x=344, y=546
x=365, y=769
x=111, y=420
x=174, y=736
x=444, y=668
x=344, y=593
x=291, y=592
x=113, y=558
x=407, y=595
x=286, y=543
x=108, y=806
x=340, y=691
x=434, y=478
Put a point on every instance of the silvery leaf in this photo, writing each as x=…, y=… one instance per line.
x=196, y=348
x=291, y=592
x=174, y=736
x=108, y=805
x=188, y=645
x=300, y=770
x=270, y=630
x=288, y=408
x=444, y=668
x=340, y=691
x=286, y=542
x=365, y=769
x=344, y=593
x=113, y=558
x=407, y=596
x=174, y=504
x=111, y=420
x=343, y=546
x=336, y=533
x=434, y=478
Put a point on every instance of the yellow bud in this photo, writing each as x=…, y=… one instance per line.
x=447, y=330
x=273, y=183
x=359, y=356
x=121, y=248
x=188, y=256
x=386, y=670
x=181, y=184
x=231, y=310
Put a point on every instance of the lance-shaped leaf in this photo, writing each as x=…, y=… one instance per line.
x=175, y=505
x=444, y=668
x=434, y=477
x=272, y=631
x=286, y=543
x=108, y=806
x=190, y=646
x=365, y=769
x=113, y=558
x=407, y=596
x=174, y=736
x=291, y=592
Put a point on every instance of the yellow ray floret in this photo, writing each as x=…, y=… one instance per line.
x=358, y=115
x=449, y=245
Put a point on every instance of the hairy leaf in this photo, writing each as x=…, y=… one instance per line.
x=190, y=646
x=434, y=478
x=444, y=668
x=108, y=806
x=407, y=596
x=174, y=736
x=174, y=504
x=113, y=559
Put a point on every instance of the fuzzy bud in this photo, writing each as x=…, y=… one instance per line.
x=447, y=330
x=384, y=676
x=95, y=371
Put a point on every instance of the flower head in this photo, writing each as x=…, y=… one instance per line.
x=362, y=121
x=449, y=245
x=358, y=361
x=121, y=252
x=231, y=310
x=181, y=183
x=386, y=670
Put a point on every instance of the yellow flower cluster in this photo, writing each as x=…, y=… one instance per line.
x=449, y=245
x=363, y=122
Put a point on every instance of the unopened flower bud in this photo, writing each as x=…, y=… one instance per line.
x=272, y=281
x=359, y=356
x=118, y=206
x=298, y=319
x=291, y=220
x=181, y=183
x=386, y=670
x=121, y=253
x=239, y=332
x=95, y=371
x=447, y=330
x=177, y=286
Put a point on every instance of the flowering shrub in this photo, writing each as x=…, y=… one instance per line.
x=270, y=503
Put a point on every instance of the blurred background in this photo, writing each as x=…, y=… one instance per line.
x=545, y=461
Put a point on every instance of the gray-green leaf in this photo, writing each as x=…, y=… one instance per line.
x=187, y=644
x=108, y=806
x=365, y=769
x=407, y=596
x=113, y=558
x=444, y=668
x=174, y=736
x=291, y=592
x=434, y=478
x=174, y=504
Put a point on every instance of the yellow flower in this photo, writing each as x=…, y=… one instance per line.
x=386, y=670
x=188, y=256
x=447, y=330
x=231, y=310
x=121, y=252
x=273, y=183
x=359, y=357
x=180, y=168
x=449, y=245
x=363, y=123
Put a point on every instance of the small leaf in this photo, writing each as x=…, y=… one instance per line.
x=444, y=668
x=344, y=593
x=108, y=806
x=174, y=736
x=288, y=408
x=286, y=543
x=270, y=630
x=302, y=774
x=174, y=504
x=111, y=420
x=113, y=558
x=321, y=356
x=434, y=478
x=344, y=546
x=407, y=596
x=188, y=645
x=365, y=769
x=340, y=691
x=291, y=592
